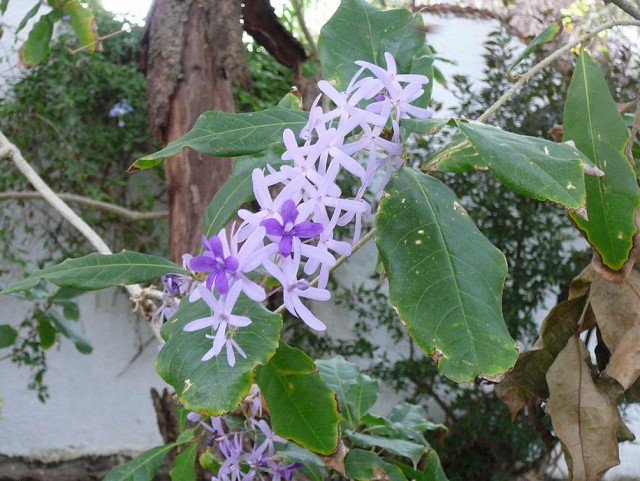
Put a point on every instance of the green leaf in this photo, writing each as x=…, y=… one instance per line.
x=46, y=331
x=356, y=392
x=213, y=387
x=433, y=469
x=413, y=417
x=224, y=134
x=83, y=23
x=423, y=126
x=537, y=168
x=142, y=468
x=445, y=277
x=36, y=48
x=302, y=407
x=185, y=468
x=312, y=466
x=547, y=35
x=238, y=189
x=291, y=101
x=457, y=157
x=424, y=66
x=97, y=271
x=401, y=447
x=592, y=121
x=407, y=421
x=363, y=466
x=359, y=31
x=3, y=6
x=186, y=436
x=8, y=335
x=30, y=14
x=71, y=331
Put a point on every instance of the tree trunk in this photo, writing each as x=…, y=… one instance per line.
x=192, y=52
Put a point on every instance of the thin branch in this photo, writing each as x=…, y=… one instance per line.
x=626, y=7
x=549, y=60
x=634, y=132
x=10, y=151
x=98, y=204
x=305, y=30
x=96, y=41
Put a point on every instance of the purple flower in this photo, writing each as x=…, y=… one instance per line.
x=214, y=261
x=294, y=289
x=221, y=318
x=269, y=439
x=280, y=472
x=290, y=227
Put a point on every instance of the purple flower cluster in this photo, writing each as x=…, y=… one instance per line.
x=293, y=233
x=248, y=454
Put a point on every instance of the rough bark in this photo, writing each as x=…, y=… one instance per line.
x=192, y=52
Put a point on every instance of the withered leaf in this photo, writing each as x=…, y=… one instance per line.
x=584, y=416
x=617, y=311
x=581, y=283
x=527, y=378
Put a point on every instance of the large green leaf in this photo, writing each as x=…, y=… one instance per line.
x=213, y=387
x=456, y=157
x=365, y=465
x=238, y=189
x=83, y=23
x=356, y=392
x=226, y=134
x=302, y=407
x=97, y=271
x=445, y=277
x=592, y=121
x=359, y=31
x=36, y=48
x=537, y=168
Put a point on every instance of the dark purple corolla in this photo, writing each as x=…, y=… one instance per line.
x=214, y=261
x=290, y=227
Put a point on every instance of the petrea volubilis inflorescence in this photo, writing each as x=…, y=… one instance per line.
x=292, y=235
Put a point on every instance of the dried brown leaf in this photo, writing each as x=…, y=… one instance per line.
x=527, y=379
x=581, y=283
x=584, y=416
x=617, y=310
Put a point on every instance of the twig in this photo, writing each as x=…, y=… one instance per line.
x=626, y=7
x=305, y=30
x=549, y=60
x=98, y=40
x=10, y=151
x=634, y=132
x=98, y=204
x=341, y=260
